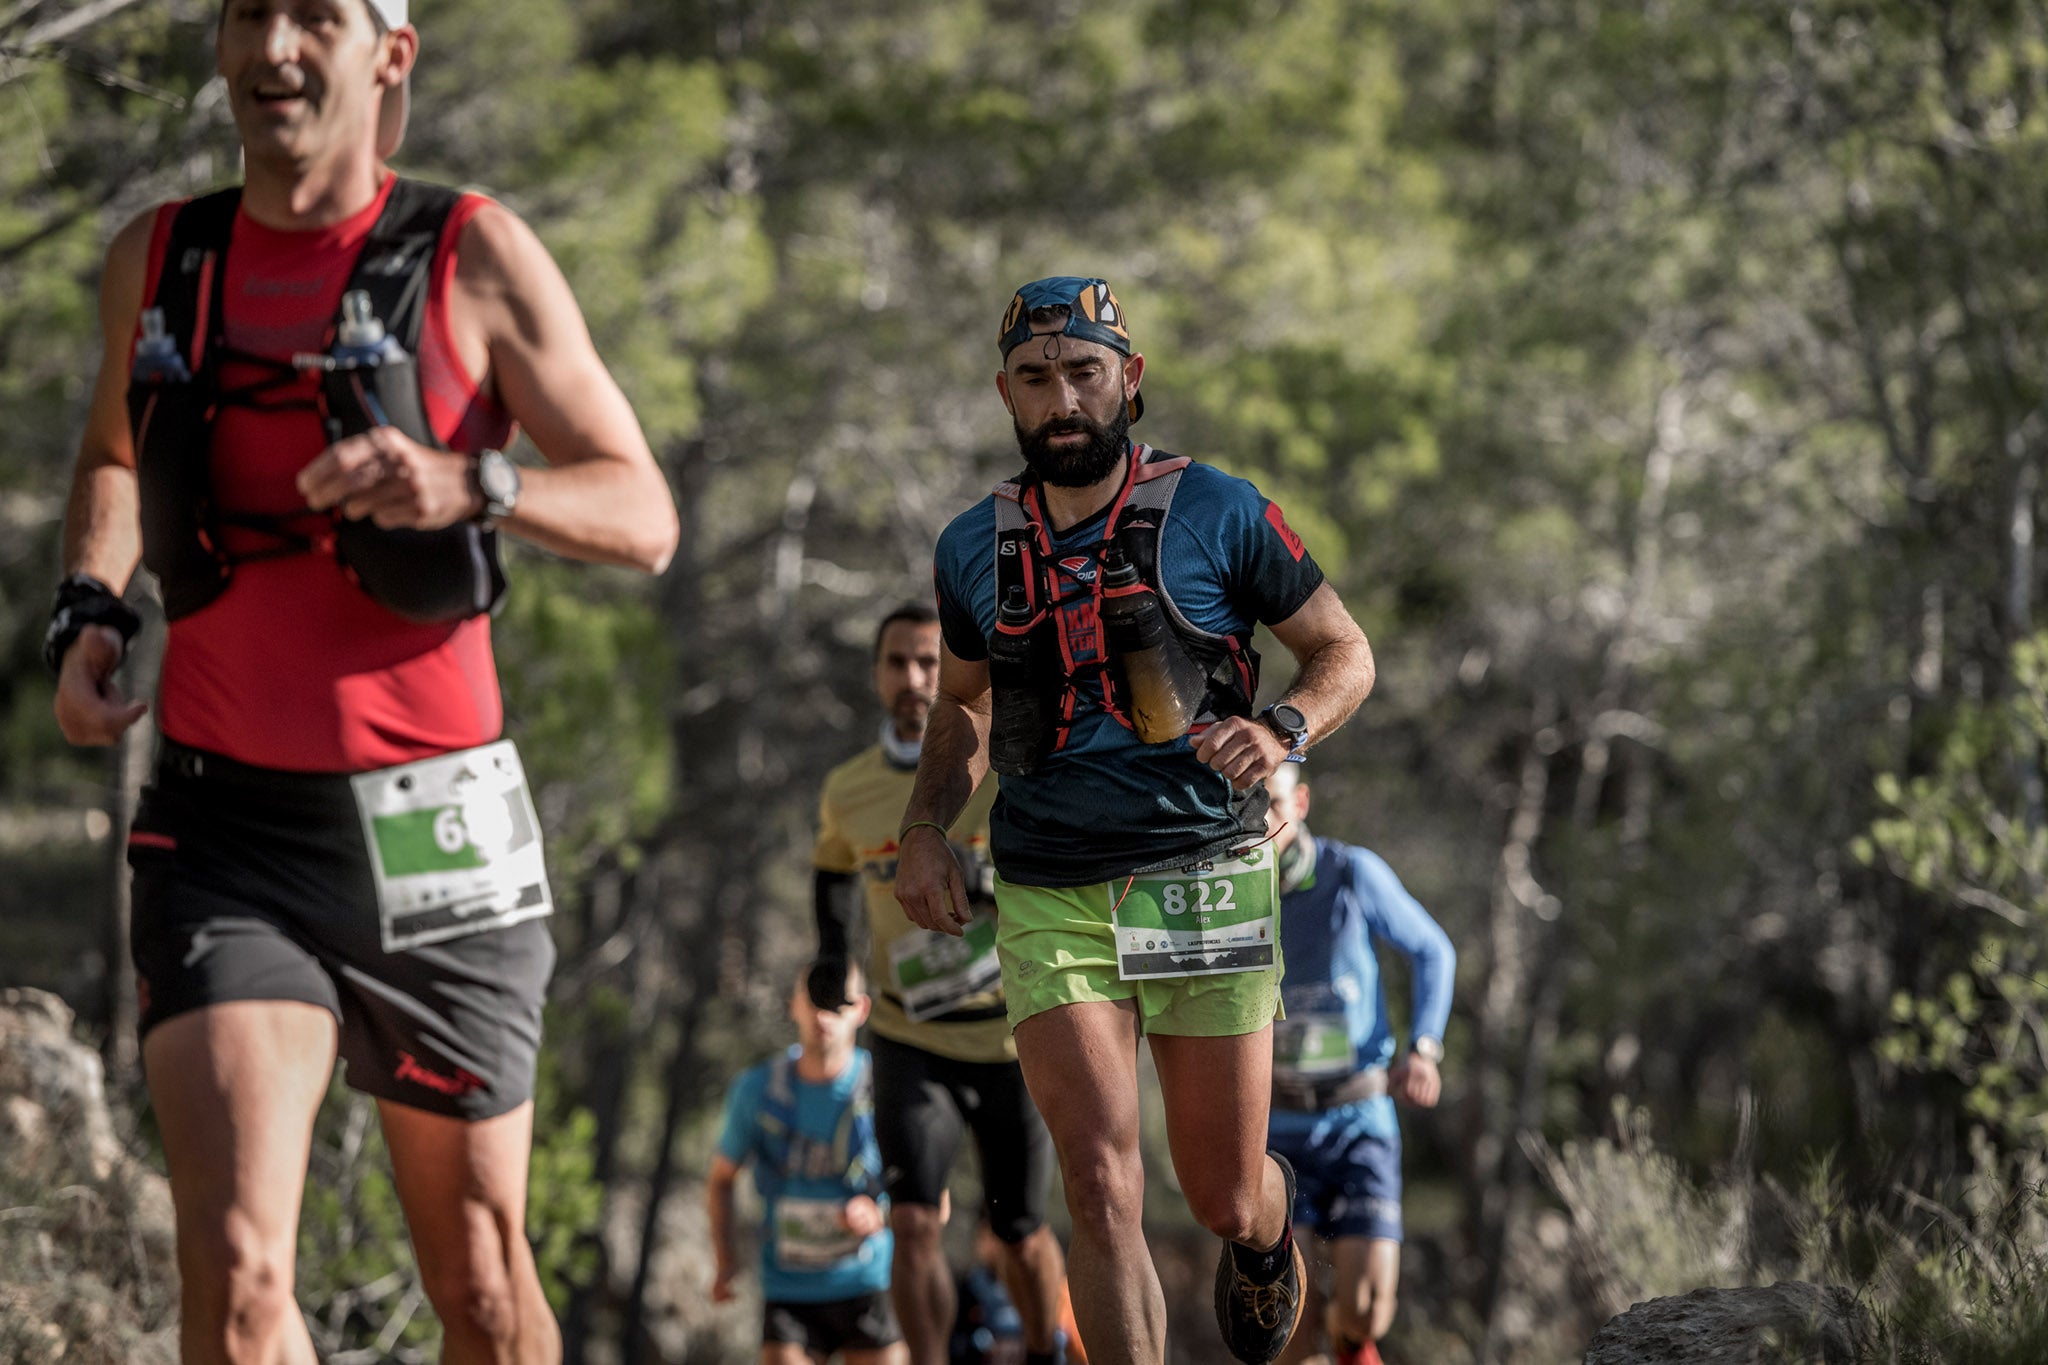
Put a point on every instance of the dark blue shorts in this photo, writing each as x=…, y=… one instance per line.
x=1347, y=1171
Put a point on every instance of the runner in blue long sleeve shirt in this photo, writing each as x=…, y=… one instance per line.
x=1335, y=1077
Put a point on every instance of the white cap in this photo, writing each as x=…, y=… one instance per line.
x=391, y=116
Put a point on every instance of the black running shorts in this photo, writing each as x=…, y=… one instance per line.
x=867, y=1323
x=924, y=1103
x=253, y=884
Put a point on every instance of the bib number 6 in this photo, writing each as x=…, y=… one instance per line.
x=1174, y=895
x=449, y=832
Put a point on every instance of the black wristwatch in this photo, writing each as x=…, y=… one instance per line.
x=1292, y=726
x=497, y=479
x=82, y=601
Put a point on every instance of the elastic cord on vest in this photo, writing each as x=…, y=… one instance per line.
x=1039, y=656
x=175, y=392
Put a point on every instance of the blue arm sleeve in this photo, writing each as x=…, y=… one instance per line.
x=742, y=1104
x=1398, y=919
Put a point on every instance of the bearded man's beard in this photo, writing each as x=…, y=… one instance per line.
x=1082, y=465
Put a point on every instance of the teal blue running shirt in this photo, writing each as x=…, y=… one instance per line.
x=1108, y=803
x=804, y=1258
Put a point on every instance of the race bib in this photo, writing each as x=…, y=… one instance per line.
x=454, y=845
x=935, y=973
x=1313, y=1047
x=1199, y=921
x=810, y=1235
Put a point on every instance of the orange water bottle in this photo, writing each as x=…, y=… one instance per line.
x=1162, y=686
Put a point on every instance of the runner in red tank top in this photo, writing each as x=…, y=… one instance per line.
x=338, y=856
x=368, y=689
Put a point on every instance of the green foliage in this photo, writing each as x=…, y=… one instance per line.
x=564, y=1204
x=1644, y=1228
x=1965, y=834
x=568, y=652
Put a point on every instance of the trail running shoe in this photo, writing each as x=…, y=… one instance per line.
x=1258, y=1320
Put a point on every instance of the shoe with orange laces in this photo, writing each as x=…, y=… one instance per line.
x=1258, y=1293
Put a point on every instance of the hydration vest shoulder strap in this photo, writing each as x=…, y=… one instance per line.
x=852, y=1135
x=1018, y=563
x=1144, y=522
x=778, y=1097
x=396, y=263
x=394, y=267
x=191, y=280
x=1136, y=526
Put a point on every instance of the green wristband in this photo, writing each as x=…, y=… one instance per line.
x=915, y=823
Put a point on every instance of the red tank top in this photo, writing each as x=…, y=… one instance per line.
x=294, y=666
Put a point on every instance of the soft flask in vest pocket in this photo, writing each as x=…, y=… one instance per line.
x=1021, y=726
x=368, y=380
x=163, y=398
x=1161, y=683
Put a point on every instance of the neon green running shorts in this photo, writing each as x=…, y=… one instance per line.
x=1057, y=948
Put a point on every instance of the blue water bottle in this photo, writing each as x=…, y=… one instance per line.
x=156, y=355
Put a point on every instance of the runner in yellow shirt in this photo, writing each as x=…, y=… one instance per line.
x=944, y=1063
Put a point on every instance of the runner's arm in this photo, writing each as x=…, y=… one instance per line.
x=1396, y=918
x=601, y=497
x=103, y=519
x=951, y=765
x=837, y=901
x=1336, y=673
x=718, y=1204
x=838, y=904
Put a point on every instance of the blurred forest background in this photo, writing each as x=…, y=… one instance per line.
x=1662, y=385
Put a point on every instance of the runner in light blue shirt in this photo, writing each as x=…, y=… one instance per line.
x=1335, y=1077
x=805, y=1122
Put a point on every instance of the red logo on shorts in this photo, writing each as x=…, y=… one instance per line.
x=461, y=1083
x=1287, y=536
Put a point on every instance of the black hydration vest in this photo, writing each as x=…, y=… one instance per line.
x=424, y=576
x=1025, y=558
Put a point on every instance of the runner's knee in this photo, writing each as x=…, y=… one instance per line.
x=1012, y=1227
x=1106, y=1191
x=1230, y=1211
x=475, y=1289
x=919, y=1228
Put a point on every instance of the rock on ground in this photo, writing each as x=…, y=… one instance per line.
x=87, y=1239
x=1786, y=1324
